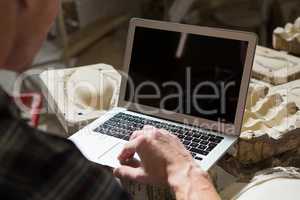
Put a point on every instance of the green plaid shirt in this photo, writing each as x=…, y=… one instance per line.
x=35, y=165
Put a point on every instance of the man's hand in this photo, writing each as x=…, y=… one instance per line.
x=162, y=157
x=164, y=160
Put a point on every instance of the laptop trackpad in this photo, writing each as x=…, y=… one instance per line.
x=91, y=146
x=111, y=157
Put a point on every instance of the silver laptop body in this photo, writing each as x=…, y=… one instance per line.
x=158, y=56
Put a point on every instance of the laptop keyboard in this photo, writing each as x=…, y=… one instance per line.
x=199, y=142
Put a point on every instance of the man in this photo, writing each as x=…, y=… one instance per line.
x=35, y=165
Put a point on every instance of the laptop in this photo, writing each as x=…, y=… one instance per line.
x=189, y=80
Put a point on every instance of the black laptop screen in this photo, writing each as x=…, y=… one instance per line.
x=185, y=73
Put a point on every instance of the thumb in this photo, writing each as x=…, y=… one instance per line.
x=131, y=173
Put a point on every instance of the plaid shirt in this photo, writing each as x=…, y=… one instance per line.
x=35, y=165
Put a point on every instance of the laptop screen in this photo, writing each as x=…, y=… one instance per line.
x=190, y=74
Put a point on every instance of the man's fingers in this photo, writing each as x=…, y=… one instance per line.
x=148, y=127
x=127, y=172
x=135, y=134
x=136, y=138
x=129, y=149
x=165, y=132
x=145, y=132
x=132, y=163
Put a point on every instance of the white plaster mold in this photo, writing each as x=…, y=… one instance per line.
x=275, y=67
x=81, y=95
x=288, y=38
x=271, y=124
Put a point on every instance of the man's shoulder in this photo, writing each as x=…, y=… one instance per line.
x=44, y=163
x=22, y=143
x=40, y=165
x=16, y=135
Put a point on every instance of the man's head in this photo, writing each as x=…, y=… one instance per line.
x=23, y=27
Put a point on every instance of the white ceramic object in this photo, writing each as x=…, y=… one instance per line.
x=270, y=126
x=91, y=89
x=288, y=38
x=81, y=95
x=270, y=113
x=275, y=67
x=276, y=184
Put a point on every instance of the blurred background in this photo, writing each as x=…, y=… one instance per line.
x=93, y=31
